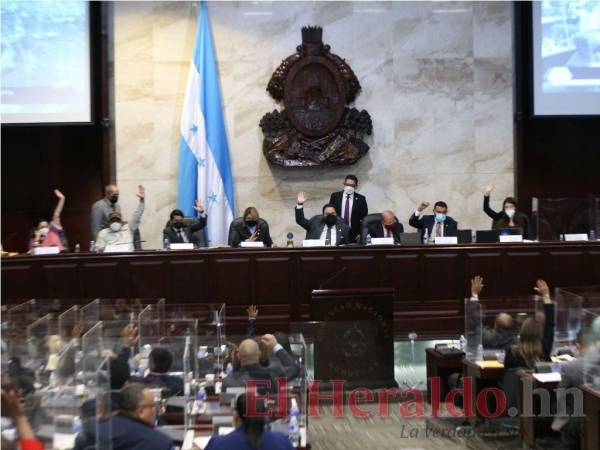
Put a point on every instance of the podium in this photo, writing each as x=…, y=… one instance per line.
x=354, y=340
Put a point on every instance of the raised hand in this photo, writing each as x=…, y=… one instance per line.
x=269, y=340
x=59, y=194
x=542, y=288
x=252, y=311
x=129, y=335
x=199, y=206
x=488, y=188
x=141, y=193
x=422, y=206
x=253, y=237
x=301, y=198
x=476, y=286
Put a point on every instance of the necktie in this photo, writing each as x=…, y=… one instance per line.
x=328, y=236
x=438, y=229
x=387, y=232
x=182, y=236
x=347, y=210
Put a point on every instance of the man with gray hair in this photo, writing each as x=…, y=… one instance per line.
x=132, y=428
x=387, y=227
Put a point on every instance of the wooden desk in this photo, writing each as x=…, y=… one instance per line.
x=533, y=428
x=590, y=436
x=430, y=282
x=481, y=377
x=441, y=366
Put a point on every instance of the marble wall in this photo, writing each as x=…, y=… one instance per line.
x=436, y=78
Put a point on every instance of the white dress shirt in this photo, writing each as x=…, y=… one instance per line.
x=433, y=229
x=333, y=234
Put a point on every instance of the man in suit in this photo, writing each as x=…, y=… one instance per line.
x=326, y=226
x=438, y=224
x=179, y=232
x=250, y=369
x=388, y=226
x=350, y=206
x=160, y=361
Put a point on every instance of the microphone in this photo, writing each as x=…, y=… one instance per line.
x=334, y=276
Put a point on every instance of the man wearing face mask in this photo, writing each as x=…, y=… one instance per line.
x=119, y=232
x=387, y=227
x=179, y=232
x=437, y=225
x=250, y=228
x=327, y=226
x=509, y=217
x=104, y=208
x=350, y=206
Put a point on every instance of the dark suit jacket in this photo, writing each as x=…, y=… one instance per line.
x=171, y=383
x=359, y=211
x=376, y=230
x=252, y=372
x=314, y=227
x=238, y=232
x=171, y=234
x=426, y=222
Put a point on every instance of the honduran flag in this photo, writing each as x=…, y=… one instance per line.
x=204, y=164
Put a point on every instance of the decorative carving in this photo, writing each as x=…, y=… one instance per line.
x=316, y=127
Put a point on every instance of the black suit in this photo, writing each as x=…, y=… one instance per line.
x=427, y=222
x=359, y=211
x=172, y=234
x=376, y=230
x=501, y=219
x=238, y=232
x=314, y=227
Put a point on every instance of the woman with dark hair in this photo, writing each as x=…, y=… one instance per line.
x=250, y=433
x=535, y=340
x=51, y=234
x=509, y=217
x=251, y=228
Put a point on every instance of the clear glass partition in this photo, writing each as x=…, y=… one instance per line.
x=19, y=316
x=557, y=216
x=89, y=315
x=568, y=316
x=473, y=344
x=42, y=345
x=69, y=323
x=591, y=352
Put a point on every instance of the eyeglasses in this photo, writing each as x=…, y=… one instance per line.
x=150, y=405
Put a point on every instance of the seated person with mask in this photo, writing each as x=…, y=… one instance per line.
x=387, y=227
x=437, y=225
x=52, y=234
x=179, y=232
x=251, y=228
x=249, y=369
x=159, y=363
x=132, y=428
x=121, y=233
x=509, y=217
x=326, y=227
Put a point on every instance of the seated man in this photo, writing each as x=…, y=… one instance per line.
x=437, y=225
x=179, y=232
x=327, y=226
x=387, y=227
x=119, y=376
x=119, y=232
x=249, y=368
x=52, y=234
x=159, y=363
x=132, y=428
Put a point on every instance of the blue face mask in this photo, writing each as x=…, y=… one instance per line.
x=439, y=217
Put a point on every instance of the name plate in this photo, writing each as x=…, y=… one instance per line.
x=512, y=238
x=116, y=248
x=313, y=243
x=382, y=241
x=252, y=244
x=576, y=237
x=446, y=240
x=46, y=250
x=181, y=246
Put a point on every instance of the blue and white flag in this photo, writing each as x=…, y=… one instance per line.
x=204, y=165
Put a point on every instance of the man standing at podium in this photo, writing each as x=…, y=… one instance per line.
x=350, y=206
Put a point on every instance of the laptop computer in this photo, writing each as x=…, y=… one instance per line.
x=510, y=232
x=487, y=236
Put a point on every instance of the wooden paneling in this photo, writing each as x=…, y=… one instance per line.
x=101, y=279
x=189, y=281
x=232, y=280
x=18, y=282
x=403, y=273
x=443, y=276
x=272, y=281
x=148, y=279
x=61, y=280
x=519, y=272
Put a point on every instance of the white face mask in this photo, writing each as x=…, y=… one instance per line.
x=115, y=226
x=348, y=190
x=510, y=212
x=44, y=231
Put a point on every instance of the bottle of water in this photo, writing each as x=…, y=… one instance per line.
x=369, y=239
x=426, y=236
x=229, y=370
x=592, y=234
x=294, y=425
x=200, y=401
x=479, y=356
x=92, y=246
x=463, y=343
x=166, y=244
x=77, y=248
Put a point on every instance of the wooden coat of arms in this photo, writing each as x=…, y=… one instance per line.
x=317, y=127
